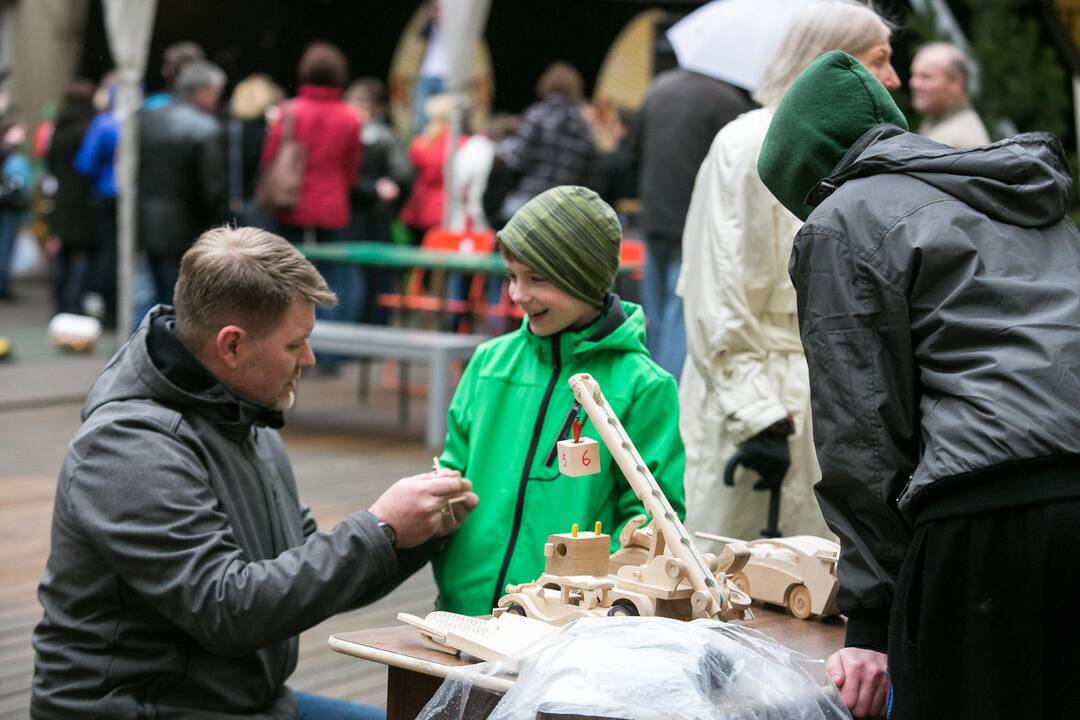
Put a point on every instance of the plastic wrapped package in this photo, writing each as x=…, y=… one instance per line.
x=645, y=667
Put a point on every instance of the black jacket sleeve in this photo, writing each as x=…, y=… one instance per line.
x=857, y=338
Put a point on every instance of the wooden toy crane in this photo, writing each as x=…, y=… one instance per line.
x=657, y=572
x=673, y=550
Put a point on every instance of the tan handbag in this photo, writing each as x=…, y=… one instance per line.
x=278, y=187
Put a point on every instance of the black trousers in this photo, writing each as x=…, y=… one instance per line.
x=101, y=269
x=985, y=621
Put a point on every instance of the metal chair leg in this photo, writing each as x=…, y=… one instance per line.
x=364, y=388
x=403, y=393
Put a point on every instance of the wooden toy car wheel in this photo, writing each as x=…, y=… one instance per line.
x=622, y=609
x=741, y=581
x=798, y=602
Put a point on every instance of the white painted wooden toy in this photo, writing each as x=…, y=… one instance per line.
x=580, y=456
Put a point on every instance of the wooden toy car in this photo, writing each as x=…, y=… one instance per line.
x=796, y=572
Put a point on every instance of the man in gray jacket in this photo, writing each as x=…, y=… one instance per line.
x=183, y=563
x=939, y=306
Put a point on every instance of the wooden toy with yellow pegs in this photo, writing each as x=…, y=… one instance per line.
x=577, y=553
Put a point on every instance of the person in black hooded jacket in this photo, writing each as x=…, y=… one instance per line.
x=939, y=306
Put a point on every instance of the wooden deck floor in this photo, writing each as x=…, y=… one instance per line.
x=344, y=453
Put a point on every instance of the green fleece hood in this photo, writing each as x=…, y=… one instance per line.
x=829, y=106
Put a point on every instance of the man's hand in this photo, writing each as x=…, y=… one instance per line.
x=418, y=507
x=862, y=678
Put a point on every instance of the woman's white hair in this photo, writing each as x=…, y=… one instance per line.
x=819, y=27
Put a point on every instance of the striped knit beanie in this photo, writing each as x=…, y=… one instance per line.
x=571, y=237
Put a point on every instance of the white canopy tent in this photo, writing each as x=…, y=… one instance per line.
x=128, y=25
x=463, y=21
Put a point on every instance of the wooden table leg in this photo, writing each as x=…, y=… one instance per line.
x=407, y=693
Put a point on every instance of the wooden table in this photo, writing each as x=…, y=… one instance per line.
x=415, y=672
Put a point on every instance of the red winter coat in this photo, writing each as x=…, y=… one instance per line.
x=330, y=130
x=424, y=208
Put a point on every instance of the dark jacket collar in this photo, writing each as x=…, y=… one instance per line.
x=1023, y=180
x=174, y=360
x=155, y=365
x=612, y=315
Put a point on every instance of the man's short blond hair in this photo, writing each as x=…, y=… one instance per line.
x=242, y=276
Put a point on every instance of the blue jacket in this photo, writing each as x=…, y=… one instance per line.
x=96, y=156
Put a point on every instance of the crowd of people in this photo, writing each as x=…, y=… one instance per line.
x=202, y=164
x=880, y=326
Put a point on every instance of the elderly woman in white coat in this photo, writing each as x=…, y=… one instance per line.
x=744, y=386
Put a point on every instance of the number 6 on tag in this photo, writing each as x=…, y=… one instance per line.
x=579, y=457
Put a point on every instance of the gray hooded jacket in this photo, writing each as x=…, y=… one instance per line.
x=183, y=564
x=939, y=306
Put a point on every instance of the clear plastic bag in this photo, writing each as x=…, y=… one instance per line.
x=646, y=668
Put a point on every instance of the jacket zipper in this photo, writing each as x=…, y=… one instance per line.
x=273, y=516
x=519, y=509
x=564, y=433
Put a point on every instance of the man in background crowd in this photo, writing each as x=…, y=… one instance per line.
x=681, y=114
x=182, y=181
x=939, y=90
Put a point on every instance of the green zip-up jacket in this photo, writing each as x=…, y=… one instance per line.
x=511, y=406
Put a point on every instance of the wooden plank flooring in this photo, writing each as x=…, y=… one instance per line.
x=344, y=453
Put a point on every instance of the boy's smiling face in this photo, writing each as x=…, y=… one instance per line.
x=550, y=310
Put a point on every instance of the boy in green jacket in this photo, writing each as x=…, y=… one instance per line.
x=513, y=403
